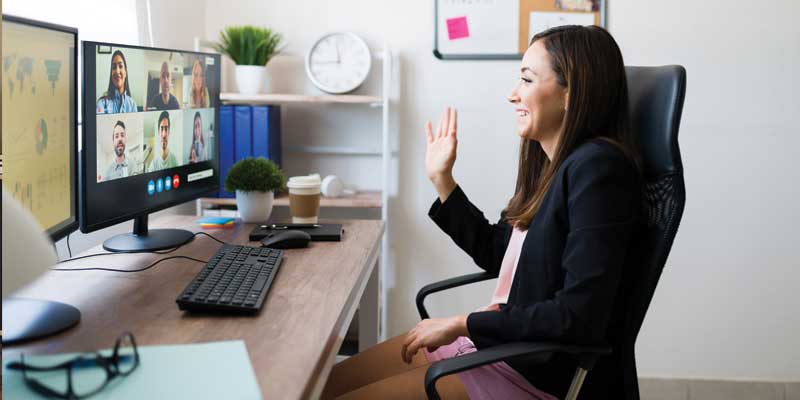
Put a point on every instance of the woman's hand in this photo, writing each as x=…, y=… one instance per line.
x=432, y=333
x=440, y=153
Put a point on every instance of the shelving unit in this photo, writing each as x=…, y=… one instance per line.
x=366, y=199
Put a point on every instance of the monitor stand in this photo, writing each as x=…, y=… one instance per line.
x=142, y=239
x=34, y=319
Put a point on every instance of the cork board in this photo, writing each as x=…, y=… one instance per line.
x=501, y=29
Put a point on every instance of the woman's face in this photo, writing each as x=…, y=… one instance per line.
x=197, y=77
x=118, y=72
x=198, y=129
x=540, y=102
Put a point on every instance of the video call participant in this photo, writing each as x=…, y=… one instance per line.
x=164, y=100
x=199, y=94
x=117, y=98
x=119, y=167
x=166, y=159
x=197, y=152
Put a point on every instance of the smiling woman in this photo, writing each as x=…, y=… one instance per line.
x=560, y=245
x=117, y=97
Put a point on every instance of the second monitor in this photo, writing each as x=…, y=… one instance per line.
x=150, y=138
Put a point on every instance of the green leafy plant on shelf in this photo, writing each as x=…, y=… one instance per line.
x=249, y=45
x=255, y=175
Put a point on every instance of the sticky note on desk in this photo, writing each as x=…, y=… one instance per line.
x=457, y=28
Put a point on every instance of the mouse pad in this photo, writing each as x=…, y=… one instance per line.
x=322, y=233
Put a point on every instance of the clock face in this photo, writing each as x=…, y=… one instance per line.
x=338, y=62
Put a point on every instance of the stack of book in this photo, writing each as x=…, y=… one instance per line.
x=216, y=222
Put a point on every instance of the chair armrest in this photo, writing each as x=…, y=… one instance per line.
x=586, y=356
x=448, y=284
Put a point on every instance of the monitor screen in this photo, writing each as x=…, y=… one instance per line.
x=39, y=121
x=150, y=130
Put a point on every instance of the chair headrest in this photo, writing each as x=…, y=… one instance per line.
x=656, y=100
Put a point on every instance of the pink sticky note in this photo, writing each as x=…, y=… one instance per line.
x=457, y=28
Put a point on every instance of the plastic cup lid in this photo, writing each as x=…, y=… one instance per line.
x=309, y=181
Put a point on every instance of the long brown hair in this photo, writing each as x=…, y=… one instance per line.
x=588, y=62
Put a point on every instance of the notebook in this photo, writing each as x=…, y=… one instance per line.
x=215, y=370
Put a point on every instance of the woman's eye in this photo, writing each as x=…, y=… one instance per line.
x=524, y=79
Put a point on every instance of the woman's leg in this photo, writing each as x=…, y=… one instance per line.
x=408, y=385
x=378, y=362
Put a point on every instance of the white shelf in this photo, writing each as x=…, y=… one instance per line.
x=238, y=98
x=362, y=199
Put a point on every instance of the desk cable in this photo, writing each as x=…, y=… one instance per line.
x=135, y=252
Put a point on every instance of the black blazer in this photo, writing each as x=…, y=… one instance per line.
x=570, y=268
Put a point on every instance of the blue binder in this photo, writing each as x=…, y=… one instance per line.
x=267, y=133
x=247, y=131
x=226, y=147
x=243, y=132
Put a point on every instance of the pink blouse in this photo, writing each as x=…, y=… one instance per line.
x=507, y=269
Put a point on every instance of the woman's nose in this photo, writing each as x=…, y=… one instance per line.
x=514, y=98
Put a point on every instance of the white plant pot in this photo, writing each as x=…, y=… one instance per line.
x=254, y=207
x=251, y=79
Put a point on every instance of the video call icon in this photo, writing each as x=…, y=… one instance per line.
x=151, y=187
x=167, y=183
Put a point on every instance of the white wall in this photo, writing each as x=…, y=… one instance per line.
x=725, y=306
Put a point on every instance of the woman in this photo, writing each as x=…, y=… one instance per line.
x=197, y=152
x=199, y=93
x=117, y=98
x=559, y=248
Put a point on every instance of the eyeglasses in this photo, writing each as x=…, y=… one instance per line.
x=122, y=362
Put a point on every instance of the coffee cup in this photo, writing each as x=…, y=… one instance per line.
x=304, y=194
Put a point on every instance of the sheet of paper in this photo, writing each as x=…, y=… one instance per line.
x=543, y=20
x=217, y=370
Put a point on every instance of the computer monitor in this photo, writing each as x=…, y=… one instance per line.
x=39, y=167
x=150, y=138
x=39, y=121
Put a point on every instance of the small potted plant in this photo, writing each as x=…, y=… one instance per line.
x=251, y=48
x=255, y=181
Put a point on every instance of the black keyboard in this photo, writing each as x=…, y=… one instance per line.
x=235, y=280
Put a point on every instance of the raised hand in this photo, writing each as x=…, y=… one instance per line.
x=440, y=152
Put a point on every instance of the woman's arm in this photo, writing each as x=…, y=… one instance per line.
x=603, y=205
x=486, y=243
x=452, y=212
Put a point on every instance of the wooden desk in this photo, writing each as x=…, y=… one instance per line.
x=292, y=342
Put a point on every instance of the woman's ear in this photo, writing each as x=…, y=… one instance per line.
x=566, y=98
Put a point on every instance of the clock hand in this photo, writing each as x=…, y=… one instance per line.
x=337, y=52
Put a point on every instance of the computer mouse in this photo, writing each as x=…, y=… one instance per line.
x=290, y=239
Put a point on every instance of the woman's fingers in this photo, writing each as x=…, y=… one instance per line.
x=453, y=126
x=446, y=121
x=408, y=340
x=429, y=131
x=442, y=124
x=412, y=350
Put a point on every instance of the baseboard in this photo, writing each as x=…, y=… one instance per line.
x=651, y=388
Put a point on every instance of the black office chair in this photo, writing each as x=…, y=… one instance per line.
x=656, y=101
